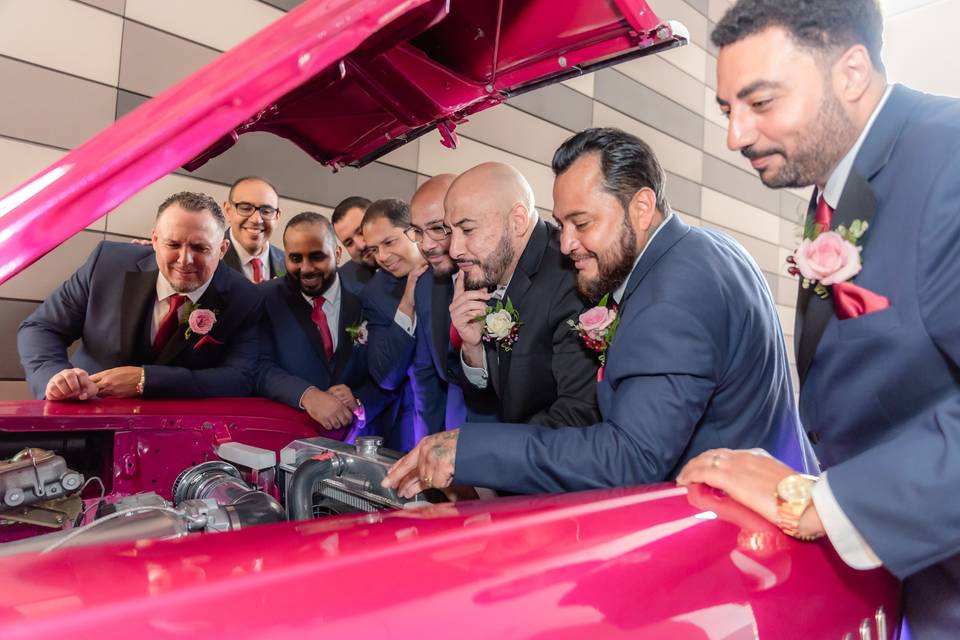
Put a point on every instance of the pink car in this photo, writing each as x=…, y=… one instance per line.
x=232, y=519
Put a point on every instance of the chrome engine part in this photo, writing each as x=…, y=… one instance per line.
x=350, y=483
x=35, y=475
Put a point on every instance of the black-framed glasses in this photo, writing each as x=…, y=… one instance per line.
x=246, y=210
x=434, y=232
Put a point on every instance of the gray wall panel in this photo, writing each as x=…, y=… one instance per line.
x=12, y=313
x=559, y=104
x=683, y=194
x=152, y=60
x=741, y=185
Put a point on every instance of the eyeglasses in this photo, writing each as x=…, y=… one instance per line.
x=435, y=232
x=246, y=210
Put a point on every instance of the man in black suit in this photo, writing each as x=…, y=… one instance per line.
x=252, y=210
x=502, y=246
x=169, y=320
x=309, y=358
x=347, y=221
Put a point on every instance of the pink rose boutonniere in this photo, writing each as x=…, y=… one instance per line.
x=358, y=333
x=199, y=321
x=826, y=258
x=597, y=327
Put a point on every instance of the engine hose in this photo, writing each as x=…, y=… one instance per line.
x=253, y=508
x=305, y=478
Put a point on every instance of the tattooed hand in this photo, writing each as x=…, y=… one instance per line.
x=429, y=465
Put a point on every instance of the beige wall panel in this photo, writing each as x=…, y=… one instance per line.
x=689, y=58
x=782, y=260
x=435, y=159
x=675, y=156
x=710, y=75
x=710, y=109
x=715, y=143
x=153, y=61
x=10, y=390
x=516, y=132
x=787, y=318
x=136, y=216
x=583, y=84
x=404, y=157
x=716, y=9
x=667, y=80
x=731, y=213
x=63, y=35
x=765, y=254
x=787, y=288
x=113, y=6
x=790, y=233
x=693, y=221
x=220, y=24
x=679, y=10
x=43, y=276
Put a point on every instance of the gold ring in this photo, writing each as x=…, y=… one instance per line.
x=715, y=463
x=425, y=481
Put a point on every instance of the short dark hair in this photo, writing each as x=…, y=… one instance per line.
x=312, y=217
x=353, y=202
x=246, y=178
x=820, y=25
x=195, y=203
x=393, y=209
x=628, y=163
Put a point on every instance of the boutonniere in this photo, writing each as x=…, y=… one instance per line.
x=597, y=327
x=199, y=321
x=826, y=258
x=358, y=333
x=501, y=325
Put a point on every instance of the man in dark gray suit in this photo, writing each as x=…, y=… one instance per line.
x=252, y=210
x=878, y=338
x=698, y=356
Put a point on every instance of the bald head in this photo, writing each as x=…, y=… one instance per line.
x=491, y=212
x=426, y=219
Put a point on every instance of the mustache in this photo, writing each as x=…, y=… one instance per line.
x=433, y=253
x=752, y=154
x=582, y=256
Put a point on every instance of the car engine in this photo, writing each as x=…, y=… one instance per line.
x=246, y=486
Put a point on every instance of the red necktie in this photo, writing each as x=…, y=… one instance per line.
x=257, y=270
x=455, y=340
x=823, y=214
x=168, y=325
x=320, y=319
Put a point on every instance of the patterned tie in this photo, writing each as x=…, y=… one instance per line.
x=257, y=270
x=320, y=319
x=168, y=325
x=455, y=340
x=823, y=215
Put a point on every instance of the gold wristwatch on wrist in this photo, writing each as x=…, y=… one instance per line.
x=794, y=495
x=143, y=375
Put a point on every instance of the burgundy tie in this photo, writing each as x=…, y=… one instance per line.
x=823, y=214
x=257, y=270
x=320, y=319
x=168, y=325
x=455, y=340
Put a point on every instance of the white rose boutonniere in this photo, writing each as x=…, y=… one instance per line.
x=501, y=325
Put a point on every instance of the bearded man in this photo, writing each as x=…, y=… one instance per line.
x=697, y=356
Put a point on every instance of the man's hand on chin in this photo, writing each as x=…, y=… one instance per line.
x=430, y=465
x=71, y=384
x=119, y=382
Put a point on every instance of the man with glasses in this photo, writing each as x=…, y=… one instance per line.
x=252, y=210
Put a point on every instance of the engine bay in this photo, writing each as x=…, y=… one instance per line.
x=46, y=504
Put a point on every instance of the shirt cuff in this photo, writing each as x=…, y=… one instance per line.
x=405, y=322
x=477, y=376
x=848, y=542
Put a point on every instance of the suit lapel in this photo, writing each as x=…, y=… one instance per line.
x=139, y=294
x=440, y=295
x=232, y=258
x=350, y=314
x=672, y=232
x=302, y=311
x=211, y=299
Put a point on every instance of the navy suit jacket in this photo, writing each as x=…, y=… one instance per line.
x=354, y=276
x=277, y=264
x=880, y=393
x=698, y=362
x=292, y=355
x=108, y=304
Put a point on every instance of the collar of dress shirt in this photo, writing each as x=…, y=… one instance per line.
x=618, y=292
x=246, y=257
x=838, y=179
x=331, y=296
x=165, y=289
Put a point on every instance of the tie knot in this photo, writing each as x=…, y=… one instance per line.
x=824, y=214
x=318, y=302
x=177, y=300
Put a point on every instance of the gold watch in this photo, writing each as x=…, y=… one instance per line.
x=794, y=494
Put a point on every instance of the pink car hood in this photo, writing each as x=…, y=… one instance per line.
x=346, y=80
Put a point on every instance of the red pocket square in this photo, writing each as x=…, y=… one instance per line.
x=851, y=301
x=205, y=340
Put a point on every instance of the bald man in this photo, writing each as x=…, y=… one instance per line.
x=442, y=403
x=505, y=251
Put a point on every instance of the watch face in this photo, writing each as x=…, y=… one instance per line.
x=794, y=488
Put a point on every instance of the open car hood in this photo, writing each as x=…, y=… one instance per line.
x=346, y=81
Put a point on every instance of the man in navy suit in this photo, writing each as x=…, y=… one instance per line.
x=698, y=356
x=252, y=210
x=388, y=305
x=309, y=359
x=347, y=221
x=878, y=339
x=169, y=320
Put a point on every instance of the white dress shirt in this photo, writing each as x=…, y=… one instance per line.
x=246, y=258
x=331, y=307
x=844, y=537
x=162, y=305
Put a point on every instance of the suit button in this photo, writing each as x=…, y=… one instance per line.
x=814, y=437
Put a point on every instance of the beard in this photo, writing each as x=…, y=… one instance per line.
x=494, y=266
x=314, y=284
x=817, y=153
x=441, y=269
x=613, y=265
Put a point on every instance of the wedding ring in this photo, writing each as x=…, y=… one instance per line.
x=715, y=462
